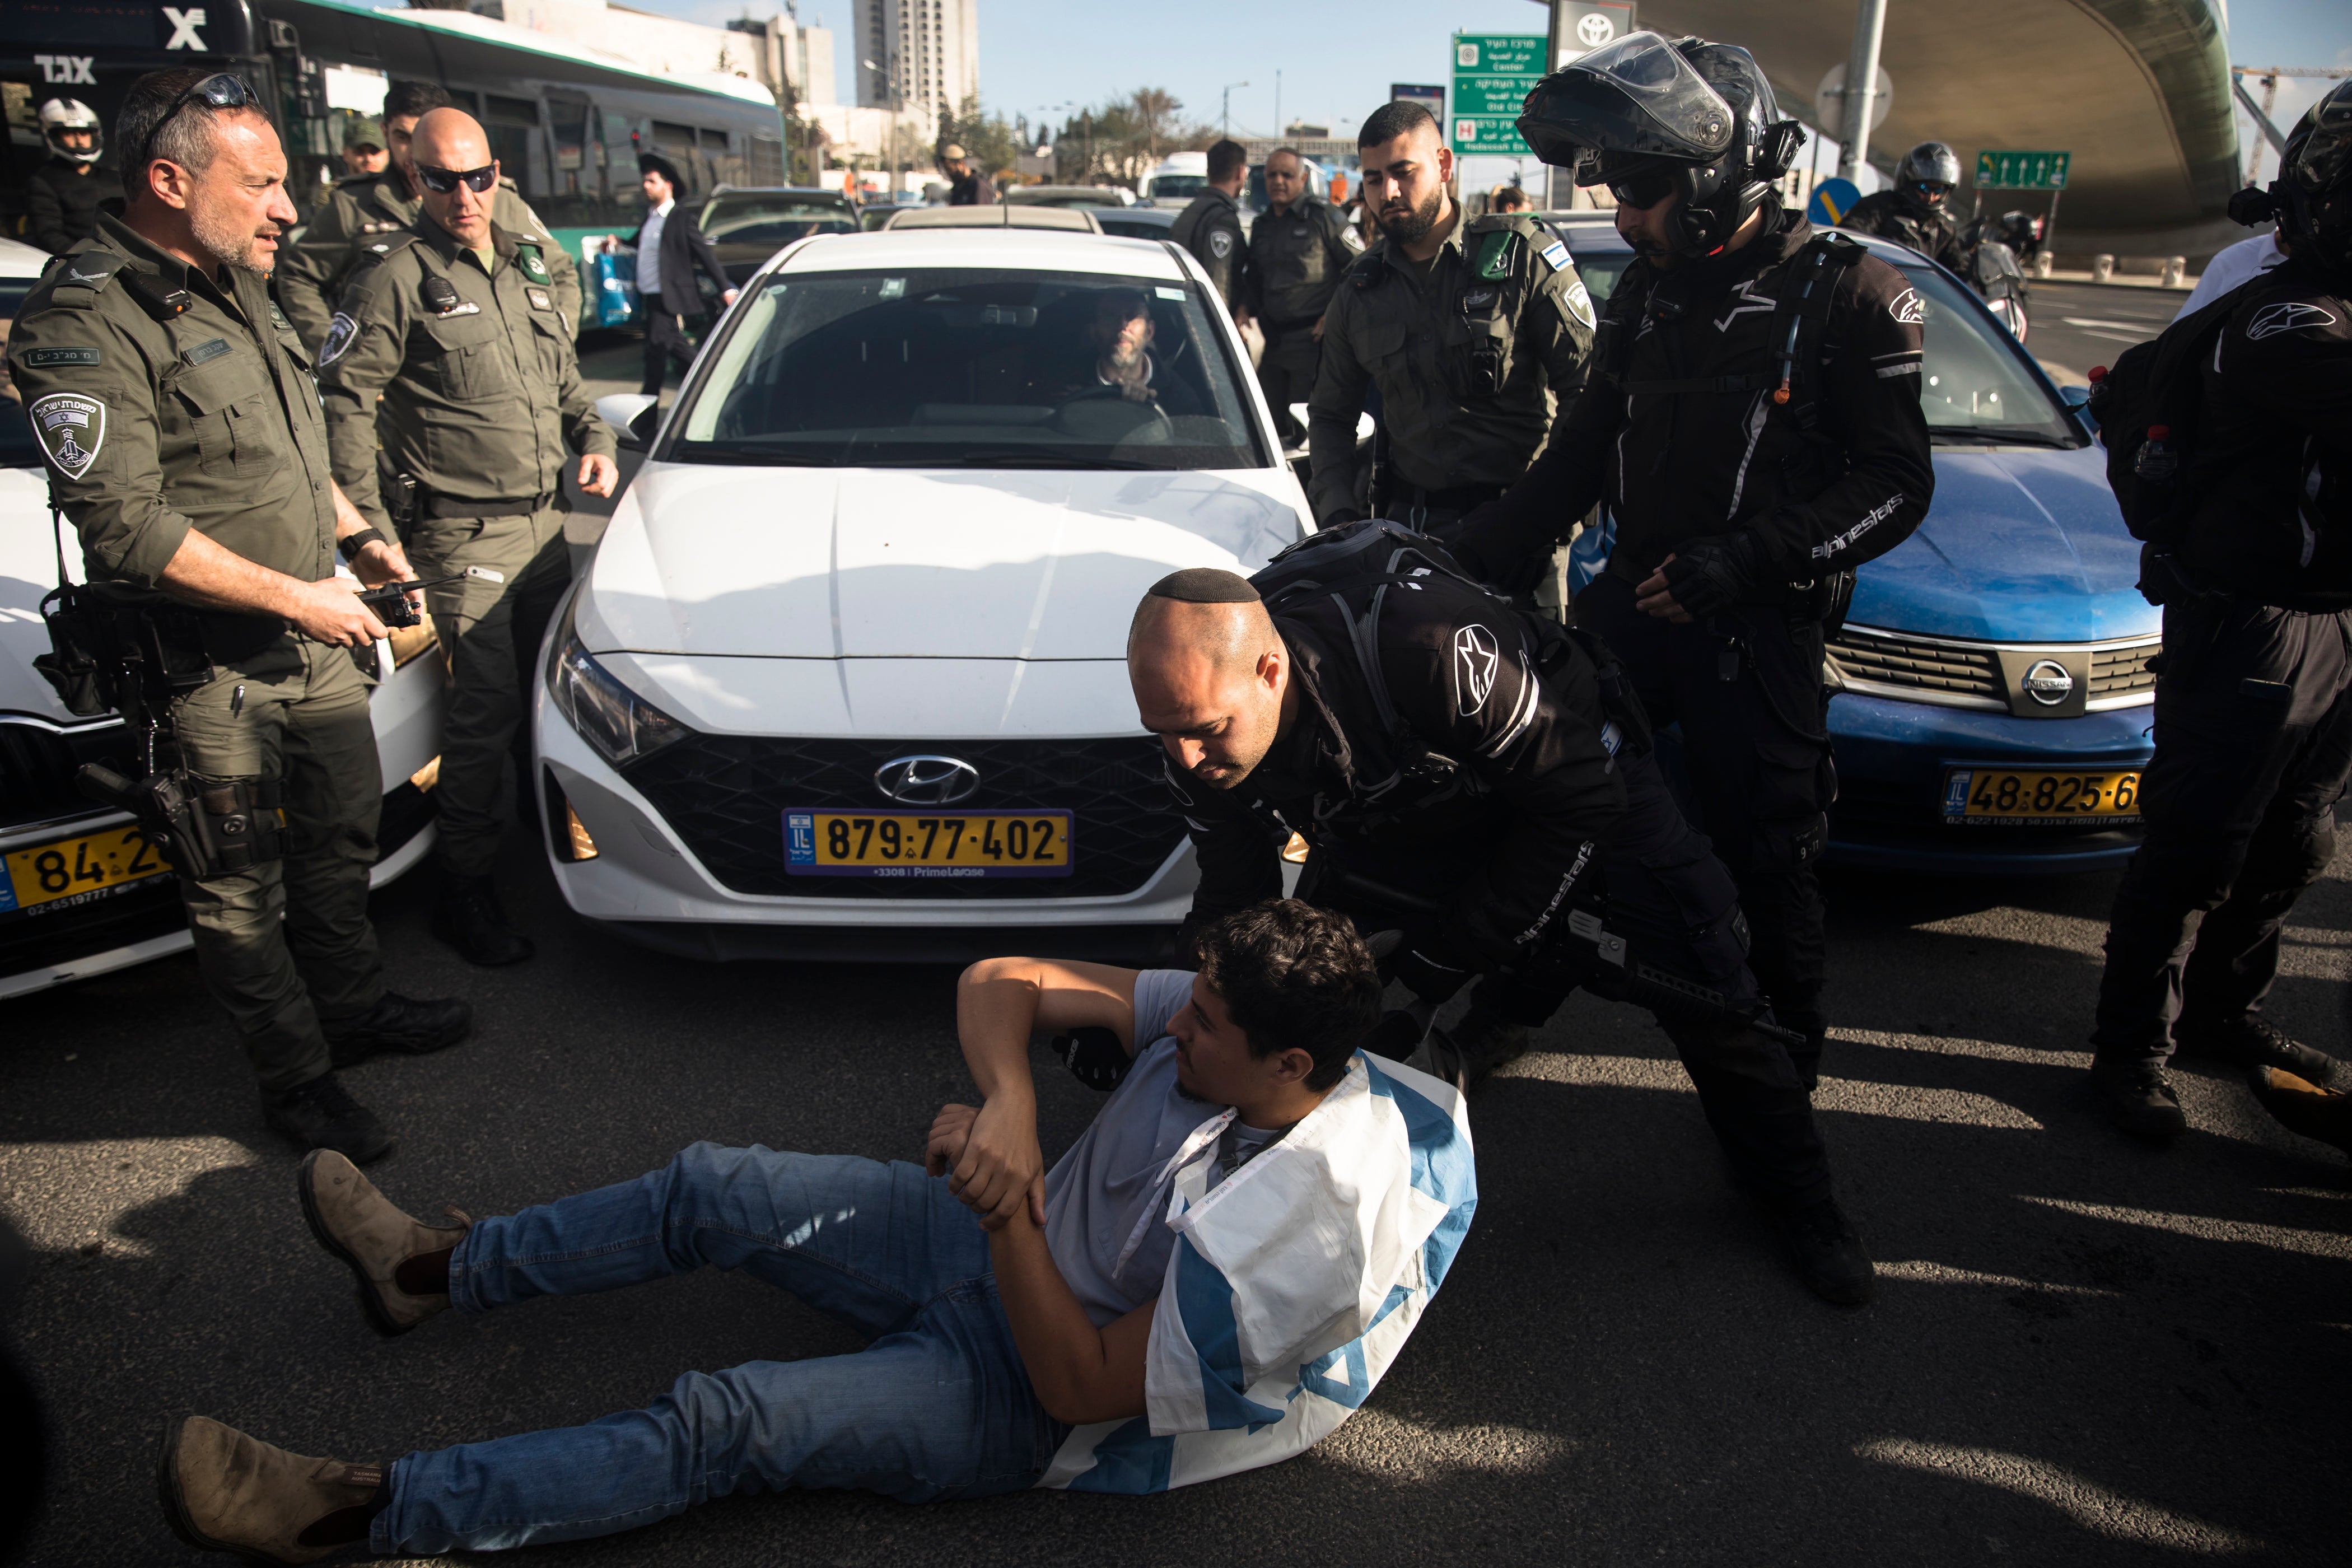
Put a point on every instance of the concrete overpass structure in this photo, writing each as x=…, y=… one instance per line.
x=2137, y=90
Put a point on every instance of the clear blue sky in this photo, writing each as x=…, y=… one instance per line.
x=1337, y=61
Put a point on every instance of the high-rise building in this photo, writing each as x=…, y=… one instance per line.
x=922, y=56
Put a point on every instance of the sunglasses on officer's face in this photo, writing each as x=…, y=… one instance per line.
x=221, y=91
x=441, y=182
x=1641, y=191
x=1931, y=188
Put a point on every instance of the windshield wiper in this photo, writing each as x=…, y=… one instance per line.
x=1997, y=435
x=755, y=456
x=998, y=457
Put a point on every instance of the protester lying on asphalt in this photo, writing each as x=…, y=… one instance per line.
x=1211, y=1279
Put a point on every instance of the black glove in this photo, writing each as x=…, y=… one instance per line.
x=1429, y=969
x=1094, y=1057
x=1709, y=575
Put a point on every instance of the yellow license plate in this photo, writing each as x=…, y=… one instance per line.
x=926, y=845
x=2029, y=798
x=94, y=863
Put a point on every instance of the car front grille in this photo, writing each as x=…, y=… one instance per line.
x=1942, y=673
x=2122, y=672
x=726, y=796
x=38, y=761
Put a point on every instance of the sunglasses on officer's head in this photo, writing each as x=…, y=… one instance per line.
x=441, y=182
x=1643, y=190
x=220, y=91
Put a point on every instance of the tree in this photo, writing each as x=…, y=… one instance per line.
x=1124, y=137
x=987, y=138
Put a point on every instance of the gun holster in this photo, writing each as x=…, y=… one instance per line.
x=119, y=648
x=206, y=828
x=403, y=496
x=1582, y=953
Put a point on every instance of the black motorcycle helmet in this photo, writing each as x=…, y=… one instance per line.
x=2314, y=190
x=1649, y=118
x=1930, y=172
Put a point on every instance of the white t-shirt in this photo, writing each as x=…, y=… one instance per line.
x=2232, y=267
x=649, y=251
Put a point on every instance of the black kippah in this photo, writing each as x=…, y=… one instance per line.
x=1205, y=585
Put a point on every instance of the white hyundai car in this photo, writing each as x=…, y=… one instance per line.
x=80, y=892
x=846, y=676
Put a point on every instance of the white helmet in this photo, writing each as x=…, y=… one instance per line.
x=60, y=115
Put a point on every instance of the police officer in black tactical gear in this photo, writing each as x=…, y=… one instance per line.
x=2254, y=695
x=1299, y=250
x=1752, y=427
x=1211, y=227
x=1918, y=211
x=1475, y=779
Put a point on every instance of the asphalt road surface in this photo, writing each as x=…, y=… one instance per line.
x=2084, y=1351
x=2073, y=326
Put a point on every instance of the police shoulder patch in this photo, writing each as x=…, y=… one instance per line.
x=340, y=334
x=1579, y=300
x=71, y=427
x=92, y=269
x=1221, y=243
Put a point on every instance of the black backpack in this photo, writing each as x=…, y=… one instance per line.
x=2159, y=384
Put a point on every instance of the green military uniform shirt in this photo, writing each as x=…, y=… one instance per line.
x=1209, y=227
x=370, y=208
x=1463, y=352
x=157, y=422
x=482, y=400
x=1296, y=258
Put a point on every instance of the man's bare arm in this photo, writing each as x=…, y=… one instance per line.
x=206, y=573
x=1082, y=1373
x=999, y=1001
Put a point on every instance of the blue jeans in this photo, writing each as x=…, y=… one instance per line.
x=938, y=1406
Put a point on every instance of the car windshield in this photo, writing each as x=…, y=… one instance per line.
x=1974, y=385
x=1178, y=187
x=17, y=447
x=972, y=367
x=776, y=219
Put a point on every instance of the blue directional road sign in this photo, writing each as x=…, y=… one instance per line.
x=1832, y=199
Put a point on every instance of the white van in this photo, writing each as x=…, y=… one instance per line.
x=1175, y=180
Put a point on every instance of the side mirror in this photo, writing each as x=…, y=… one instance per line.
x=2078, y=398
x=632, y=415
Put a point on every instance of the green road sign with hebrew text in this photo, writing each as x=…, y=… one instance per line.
x=2022, y=170
x=1493, y=74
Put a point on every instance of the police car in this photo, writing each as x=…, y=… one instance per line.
x=80, y=893
x=1990, y=686
x=846, y=673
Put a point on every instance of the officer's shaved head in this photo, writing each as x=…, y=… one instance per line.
x=452, y=142
x=1210, y=673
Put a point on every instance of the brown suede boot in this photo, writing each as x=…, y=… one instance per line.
x=360, y=1226
x=2303, y=1107
x=224, y=1491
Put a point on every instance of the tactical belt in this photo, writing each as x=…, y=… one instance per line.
x=458, y=506
x=1459, y=497
x=1295, y=324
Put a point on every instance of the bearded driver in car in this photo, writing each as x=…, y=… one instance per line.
x=1210, y=1280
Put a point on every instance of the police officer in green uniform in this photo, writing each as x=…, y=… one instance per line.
x=366, y=209
x=1462, y=324
x=1209, y=227
x=187, y=448
x=455, y=322
x=1299, y=250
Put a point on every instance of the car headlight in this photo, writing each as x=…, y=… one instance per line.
x=623, y=726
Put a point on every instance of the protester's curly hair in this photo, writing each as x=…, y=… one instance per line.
x=1295, y=978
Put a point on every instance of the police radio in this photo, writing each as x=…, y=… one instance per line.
x=390, y=603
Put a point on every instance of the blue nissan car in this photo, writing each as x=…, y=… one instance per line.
x=1990, y=690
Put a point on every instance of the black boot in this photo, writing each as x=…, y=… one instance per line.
x=321, y=1114
x=2250, y=1040
x=400, y=1023
x=2139, y=1099
x=1827, y=1255
x=470, y=919
x=1486, y=1041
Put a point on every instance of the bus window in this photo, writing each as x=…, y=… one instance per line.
x=522, y=158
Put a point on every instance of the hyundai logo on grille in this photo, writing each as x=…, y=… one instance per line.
x=926, y=781
x=2048, y=683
